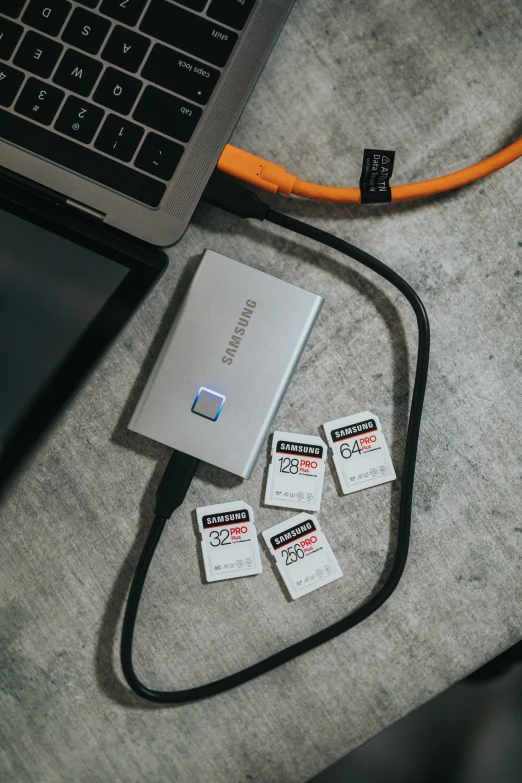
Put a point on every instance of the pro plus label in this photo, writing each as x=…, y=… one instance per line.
x=228, y=541
x=303, y=555
x=296, y=472
x=360, y=453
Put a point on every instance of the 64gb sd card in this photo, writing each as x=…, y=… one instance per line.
x=360, y=453
x=229, y=541
x=296, y=473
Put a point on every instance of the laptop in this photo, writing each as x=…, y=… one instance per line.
x=113, y=114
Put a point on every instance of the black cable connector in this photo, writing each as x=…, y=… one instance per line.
x=174, y=483
x=227, y=193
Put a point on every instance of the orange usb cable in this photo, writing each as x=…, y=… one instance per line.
x=270, y=176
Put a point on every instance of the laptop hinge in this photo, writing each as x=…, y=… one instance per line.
x=85, y=210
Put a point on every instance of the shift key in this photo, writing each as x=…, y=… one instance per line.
x=190, y=33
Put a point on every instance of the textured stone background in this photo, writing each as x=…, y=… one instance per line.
x=438, y=82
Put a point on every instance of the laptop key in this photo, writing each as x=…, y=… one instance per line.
x=38, y=54
x=127, y=12
x=195, y=5
x=48, y=16
x=179, y=73
x=232, y=12
x=167, y=114
x=190, y=33
x=119, y=138
x=10, y=82
x=77, y=72
x=126, y=49
x=12, y=7
x=79, y=119
x=82, y=160
x=86, y=31
x=89, y=3
x=117, y=91
x=10, y=34
x=159, y=156
x=39, y=101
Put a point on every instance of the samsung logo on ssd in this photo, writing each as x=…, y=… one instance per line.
x=239, y=331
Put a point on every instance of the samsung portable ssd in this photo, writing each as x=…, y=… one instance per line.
x=226, y=364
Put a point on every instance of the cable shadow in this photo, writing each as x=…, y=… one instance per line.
x=304, y=209
x=106, y=674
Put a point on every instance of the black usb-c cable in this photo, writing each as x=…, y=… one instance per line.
x=228, y=194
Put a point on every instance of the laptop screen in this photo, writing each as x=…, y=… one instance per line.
x=51, y=290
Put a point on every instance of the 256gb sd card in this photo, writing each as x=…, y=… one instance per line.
x=303, y=555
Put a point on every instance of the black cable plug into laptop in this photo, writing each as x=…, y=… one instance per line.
x=227, y=193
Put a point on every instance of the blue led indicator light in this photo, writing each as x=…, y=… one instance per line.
x=208, y=403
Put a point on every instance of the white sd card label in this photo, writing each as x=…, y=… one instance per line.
x=229, y=541
x=303, y=555
x=360, y=452
x=296, y=472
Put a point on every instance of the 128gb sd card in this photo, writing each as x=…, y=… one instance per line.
x=296, y=473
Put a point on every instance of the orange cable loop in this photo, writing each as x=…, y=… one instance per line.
x=274, y=178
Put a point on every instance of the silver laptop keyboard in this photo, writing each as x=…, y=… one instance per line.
x=113, y=89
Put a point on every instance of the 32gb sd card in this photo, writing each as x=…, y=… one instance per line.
x=229, y=541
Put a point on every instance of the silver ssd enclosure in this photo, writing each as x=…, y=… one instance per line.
x=226, y=364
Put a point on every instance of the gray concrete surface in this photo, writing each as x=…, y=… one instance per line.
x=470, y=733
x=438, y=83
